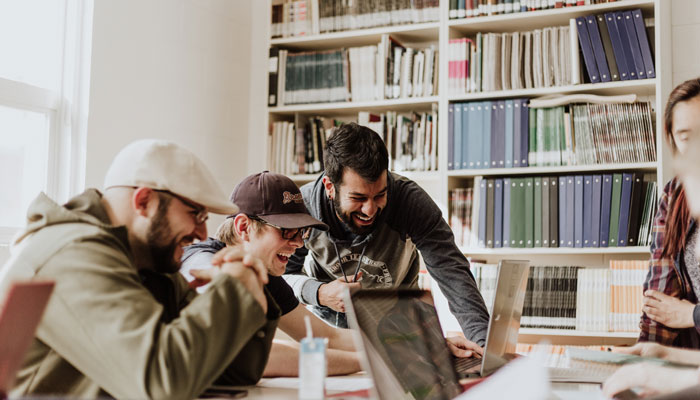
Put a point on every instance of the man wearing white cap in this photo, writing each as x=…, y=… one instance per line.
x=122, y=323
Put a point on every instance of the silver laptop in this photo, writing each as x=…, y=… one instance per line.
x=404, y=350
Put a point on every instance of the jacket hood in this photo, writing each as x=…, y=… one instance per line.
x=86, y=207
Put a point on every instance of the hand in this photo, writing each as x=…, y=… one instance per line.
x=651, y=378
x=236, y=253
x=461, y=347
x=644, y=349
x=203, y=276
x=668, y=310
x=331, y=294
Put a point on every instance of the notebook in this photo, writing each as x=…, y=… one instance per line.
x=20, y=315
x=402, y=345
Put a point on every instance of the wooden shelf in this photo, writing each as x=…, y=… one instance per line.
x=538, y=19
x=412, y=33
x=303, y=178
x=469, y=173
x=405, y=104
x=642, y=87
x=555, y=250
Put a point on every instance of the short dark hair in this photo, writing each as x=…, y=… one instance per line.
x=358, y=148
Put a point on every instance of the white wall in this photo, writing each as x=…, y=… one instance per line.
x=172, y=69
x=685, y=32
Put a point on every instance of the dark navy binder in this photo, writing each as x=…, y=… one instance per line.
x=524, y=131
x=626, y=48
x=618, y=52
x=578, y=211
x=570, y=210
x=466, y=136
x=587, y=49
x=598, y=51
x=608, y=47
x=562, y=211
x=516, y=133
x=587, y=210
x=644, y=44
x=553, y=212
x=486, y=130
x=605, y=199
x=506, y=212
x=482, y=213
x=498, y=213
x=596, y=190
x=508, y=145
x=625, y=197
x=459, y=133
x=634, y=45
x=636, y=208
x=450, y=137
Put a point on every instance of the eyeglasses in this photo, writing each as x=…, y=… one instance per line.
x=288, y=234
x=200, y=214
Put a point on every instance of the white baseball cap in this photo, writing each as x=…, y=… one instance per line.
x=163, y=165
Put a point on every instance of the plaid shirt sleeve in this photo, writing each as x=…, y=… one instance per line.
x=662, y=275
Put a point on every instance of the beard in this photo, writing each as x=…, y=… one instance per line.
x=347, y=218
x=161, y=247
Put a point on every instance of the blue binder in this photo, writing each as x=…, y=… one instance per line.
x=498, y=214
x=570, y=210
x=587, y=210
x=578, y=211
x=562, y=211
x=506, y=212
x=605, y=200
x=618, y=52
x=490, y=208
x=596, y=188
x=475, y=135
x=509, y=134
x=495, y=134
x=644, y=44
x=626, y=48
x=486, y=130
x=598, y=50
x=625, y=200
x=457, y=149
x=587, y=49
x=634, y=45
x=466, y=136
x=450, y=137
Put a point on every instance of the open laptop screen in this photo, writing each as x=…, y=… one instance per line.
x=402, y=329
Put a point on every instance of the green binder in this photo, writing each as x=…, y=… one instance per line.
x=615, y=209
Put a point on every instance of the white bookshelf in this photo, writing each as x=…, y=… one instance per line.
x=440, y=182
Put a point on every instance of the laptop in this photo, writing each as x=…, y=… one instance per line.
x=404, y=350
x=20, y=315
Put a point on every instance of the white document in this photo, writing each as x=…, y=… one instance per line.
x=333, y=383
x=524, y=378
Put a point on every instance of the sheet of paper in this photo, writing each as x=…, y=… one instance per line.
x=333, y=383
x=524, y=378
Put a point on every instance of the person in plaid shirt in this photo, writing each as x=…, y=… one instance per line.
x=670, y=312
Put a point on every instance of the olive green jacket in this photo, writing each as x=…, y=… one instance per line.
x=110, y=330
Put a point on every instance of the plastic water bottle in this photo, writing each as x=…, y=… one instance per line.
x=312, y=365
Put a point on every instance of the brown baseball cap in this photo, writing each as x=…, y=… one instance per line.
x=275, y=199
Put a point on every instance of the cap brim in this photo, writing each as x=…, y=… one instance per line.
x=221, y=207
x=294, y=221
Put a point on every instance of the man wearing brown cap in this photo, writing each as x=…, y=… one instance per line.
x=271, y=224
x=122, y=322
x=378, y=222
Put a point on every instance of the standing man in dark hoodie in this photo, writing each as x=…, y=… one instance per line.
x=378, y=222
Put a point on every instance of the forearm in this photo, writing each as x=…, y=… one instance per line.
x=284, y=360
x=341, y=339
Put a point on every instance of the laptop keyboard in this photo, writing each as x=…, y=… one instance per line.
x=463, y=364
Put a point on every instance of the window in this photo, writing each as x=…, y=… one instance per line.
x=44, y=82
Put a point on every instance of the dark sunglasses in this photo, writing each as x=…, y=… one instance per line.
x=288, y=234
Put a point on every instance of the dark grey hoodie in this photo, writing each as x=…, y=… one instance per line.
x=409, y=223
